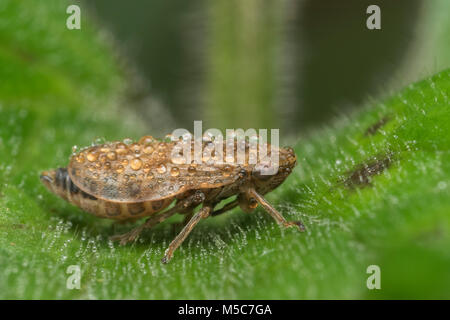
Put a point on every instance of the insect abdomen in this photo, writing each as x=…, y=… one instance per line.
x=65, y=188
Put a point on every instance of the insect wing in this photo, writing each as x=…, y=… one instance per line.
x=143, y=172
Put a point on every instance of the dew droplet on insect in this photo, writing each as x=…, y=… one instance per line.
x=99, y=140
x=124, y=162
x=148, y=149
x=127, y=141
x=74, y=149
x=107, y=165
x=187, y=136
x=135, y=148
x=111, y=155
x=161, y=168
x=169, y=138
x=121, y=148
x=175, y=172
x=147, y=168
x=146, y=140
x=119, y=169
x=136, y=164
x=92, y=156
x=80, y=158
x=227, y=170
x=191, y=170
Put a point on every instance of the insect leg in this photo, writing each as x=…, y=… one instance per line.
x=273, y=212
x=180, y=206
x=149, y=223
x=203, y=213
x=225, y=208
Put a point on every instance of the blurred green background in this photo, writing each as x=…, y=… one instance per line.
x=367, y=112
x=262, y=63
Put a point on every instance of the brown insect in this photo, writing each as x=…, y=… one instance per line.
x=129, y=181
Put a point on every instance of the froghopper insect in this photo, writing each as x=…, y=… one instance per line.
x=133, y=180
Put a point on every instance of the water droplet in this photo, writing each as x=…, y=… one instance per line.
x=121, y=148
x=146, y=140
x=191, y=170
x=147, y=168
x=187, y=136
x=136, y=164
x=135, y=148
x=175, y=172
x=99, y=140
x=120, y=169
x=179, y=159
x=127, y=141
x=74, y=149
x=148, y=149
x=92, y=156
x=227, y=170
x=161, y=168
x=80, y=158
x=169, y=138
x=111, y=155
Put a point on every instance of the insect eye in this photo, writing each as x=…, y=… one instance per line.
x=243, y=173
x=252, y=203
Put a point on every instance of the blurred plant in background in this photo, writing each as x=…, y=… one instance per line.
x=287, y=64
x=372, y=187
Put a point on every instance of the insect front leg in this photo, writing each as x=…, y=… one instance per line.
x=202, y=214
x=274, y=212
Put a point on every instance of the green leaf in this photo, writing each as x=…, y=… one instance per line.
x=372, y=189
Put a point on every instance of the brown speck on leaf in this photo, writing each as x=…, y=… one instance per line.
x=361, y=175
x=375, y=127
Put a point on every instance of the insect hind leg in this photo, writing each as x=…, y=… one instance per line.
x=202, y=214
x=183, y=205
x=225, y=208
x=132, y=235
